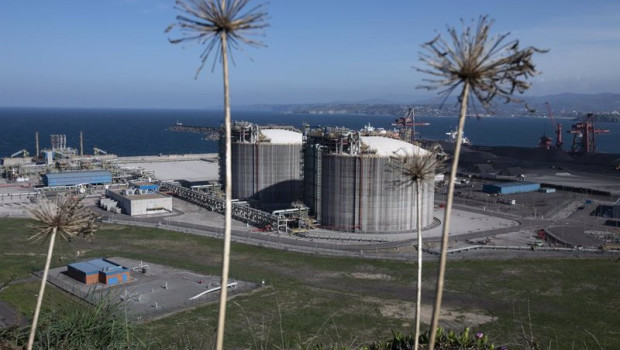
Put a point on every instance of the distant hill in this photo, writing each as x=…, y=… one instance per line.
x=583, y=103
x=562, y=105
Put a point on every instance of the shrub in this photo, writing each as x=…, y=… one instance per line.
x=100, y=327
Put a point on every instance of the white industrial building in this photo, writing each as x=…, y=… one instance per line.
x=136, y=201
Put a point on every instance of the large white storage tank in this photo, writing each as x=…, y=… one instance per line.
x=266, y=164
x=352, y=184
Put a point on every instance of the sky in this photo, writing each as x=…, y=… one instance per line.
x=114, y=53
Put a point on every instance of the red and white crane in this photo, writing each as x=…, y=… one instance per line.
x=557, y=127
x=583, y=135
x=407, y=125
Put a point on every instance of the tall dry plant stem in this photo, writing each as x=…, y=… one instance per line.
x=485, y=67
x=224, y=24
x=37, y=310
x=418, y=303
x=228, y=211
x=445, y=234
x=65, y=216
x=416, y=169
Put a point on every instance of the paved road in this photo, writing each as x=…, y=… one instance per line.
x=368, y=249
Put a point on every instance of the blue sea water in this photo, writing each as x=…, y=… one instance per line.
x=130, y=132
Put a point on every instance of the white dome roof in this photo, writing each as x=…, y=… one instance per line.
x=385, y=146
x=281, y=136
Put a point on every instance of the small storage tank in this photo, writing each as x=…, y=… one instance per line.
x=266, y=164
x=352, y=183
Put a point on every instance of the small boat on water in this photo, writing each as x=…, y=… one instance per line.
x=452, y=138
x=369, y=129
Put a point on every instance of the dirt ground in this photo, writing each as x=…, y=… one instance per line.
x=450, y=318
x=9, y=316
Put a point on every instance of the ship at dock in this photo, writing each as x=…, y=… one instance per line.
x=572, y=149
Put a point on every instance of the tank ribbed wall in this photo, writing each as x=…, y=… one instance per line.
x=365, y=193
x=312, y=178
x=269, y=173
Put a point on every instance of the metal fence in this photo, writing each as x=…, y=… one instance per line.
x=154, y=310
x=162, y=310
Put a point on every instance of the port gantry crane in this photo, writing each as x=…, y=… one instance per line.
x=557, y=126
x=583, y=135
x=407, y=125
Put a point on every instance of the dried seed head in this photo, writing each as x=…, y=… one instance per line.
x=66, y=215
x=491, y=66
x=205, y=21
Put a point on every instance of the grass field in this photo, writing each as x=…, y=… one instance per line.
x=567, y=303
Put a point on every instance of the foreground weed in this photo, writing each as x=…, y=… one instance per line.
x=66, y=216
x=223, y=25
x=103, y=326
x=487, y=67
